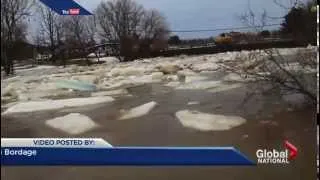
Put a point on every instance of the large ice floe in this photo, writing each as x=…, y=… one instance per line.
x=208, y=122
x=73, y=123
x=33, y=106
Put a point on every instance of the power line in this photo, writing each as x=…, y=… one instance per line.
x=222, y=29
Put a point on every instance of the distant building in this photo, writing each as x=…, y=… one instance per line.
x=248, y=37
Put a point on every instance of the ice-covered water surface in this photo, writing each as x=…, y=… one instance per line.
x=205, y=118
x=113, y=77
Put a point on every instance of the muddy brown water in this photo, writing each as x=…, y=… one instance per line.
x=270, y=122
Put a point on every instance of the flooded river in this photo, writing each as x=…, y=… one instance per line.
x=270, y=121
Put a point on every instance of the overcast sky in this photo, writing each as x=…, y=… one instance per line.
x=204, y=14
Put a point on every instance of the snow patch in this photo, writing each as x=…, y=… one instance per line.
x=73, y=123
x=208, y=122
x=138, y=111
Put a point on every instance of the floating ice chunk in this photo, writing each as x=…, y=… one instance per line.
x=225, y=87
x=92, y=79
x=170, y=78
x=32, y=106
x=157, y=75
x=208, y=122
x=173, y=84
x=126, y=82
x=169, y=68
x=187, y=72
x=73, y=123
x=91, y=55
x=232, y=77
x=193, y=103
x=9, y=91
x=111, y=85
x=45, y=86
x=142, y=79
x=110, y=60
x=127, y=71
x=206, y=67
x=76, y=85
x=39, y=95
x=199, y=85
x=195, y=78
x=138, y=111
x=110, y=93
x=76, y=102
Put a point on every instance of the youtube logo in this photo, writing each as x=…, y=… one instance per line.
x=75, y=11
x=72, y=11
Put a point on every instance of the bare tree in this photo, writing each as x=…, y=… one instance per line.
x=154, y=29
x=255, y=22
x=118, y=18
x=13, y=13
x=51, y=29
x=153, y=25
x=251, y=19
x=127, y=22
x=289, y=5
x=272, y=70
x=79, y=34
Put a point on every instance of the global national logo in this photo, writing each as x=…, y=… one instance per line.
x=274, y=156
